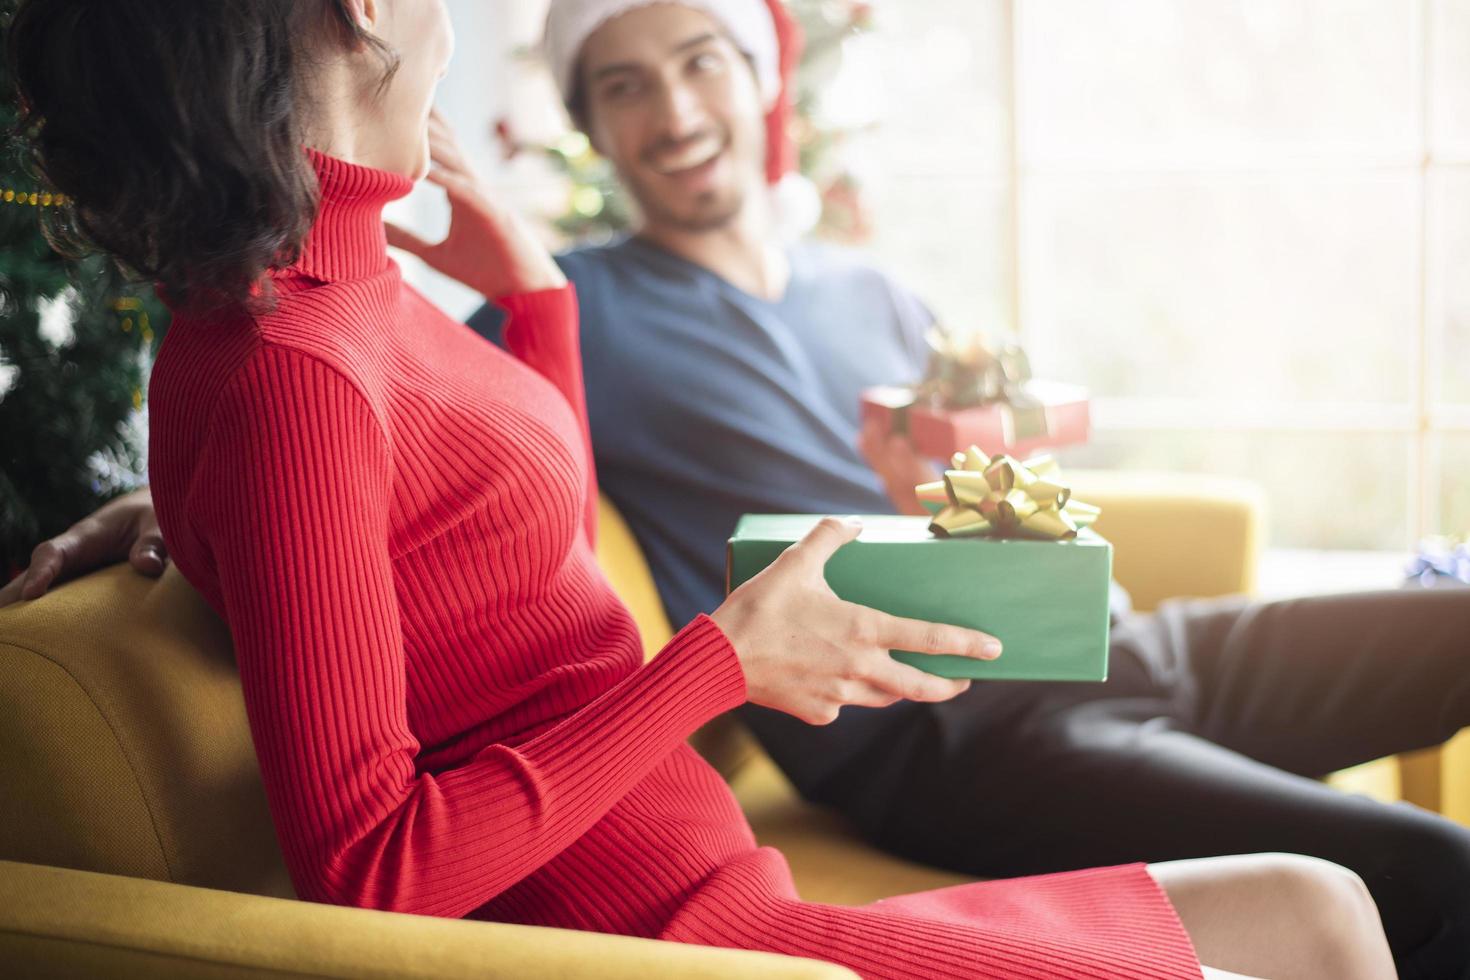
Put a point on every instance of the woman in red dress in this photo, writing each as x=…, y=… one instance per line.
x=449, y=704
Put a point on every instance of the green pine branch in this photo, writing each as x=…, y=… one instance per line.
x=76, y=342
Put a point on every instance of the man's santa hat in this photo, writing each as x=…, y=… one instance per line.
x=763, y=29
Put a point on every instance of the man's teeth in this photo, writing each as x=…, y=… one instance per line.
x=688, y=160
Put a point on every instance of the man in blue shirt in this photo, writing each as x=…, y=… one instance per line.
x=723, y=373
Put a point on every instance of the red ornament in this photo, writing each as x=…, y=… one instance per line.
x=510, y=146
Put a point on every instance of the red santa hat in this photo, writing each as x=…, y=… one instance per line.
x=780, y=147
x=763, y=29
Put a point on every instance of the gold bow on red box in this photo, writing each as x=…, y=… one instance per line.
x=965, y=371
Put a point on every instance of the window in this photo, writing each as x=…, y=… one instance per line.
x=1240, y=224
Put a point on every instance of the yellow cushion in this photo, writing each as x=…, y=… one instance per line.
x=828, y=860
x=124, y=746
x=623, y=563
x=1176, y=534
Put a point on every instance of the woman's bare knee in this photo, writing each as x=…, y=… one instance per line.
x=1283, y=916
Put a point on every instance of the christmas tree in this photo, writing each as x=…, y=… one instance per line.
x=76, y=343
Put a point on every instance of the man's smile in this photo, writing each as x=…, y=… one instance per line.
x=684, y=159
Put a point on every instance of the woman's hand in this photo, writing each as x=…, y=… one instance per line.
x=808, y=653
x=125, y=528
x=490, y=249
x=893, y=457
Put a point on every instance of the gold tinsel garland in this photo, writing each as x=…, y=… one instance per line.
x=123, y=306
x=35, y=199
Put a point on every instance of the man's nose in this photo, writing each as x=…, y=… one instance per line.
x=680, y=109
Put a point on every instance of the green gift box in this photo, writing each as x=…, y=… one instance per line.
x=1047, y=601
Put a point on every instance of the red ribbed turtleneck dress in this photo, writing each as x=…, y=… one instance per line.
x=449, y=703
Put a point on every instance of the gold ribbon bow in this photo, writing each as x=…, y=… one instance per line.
x=965, y=371
x=998, y=496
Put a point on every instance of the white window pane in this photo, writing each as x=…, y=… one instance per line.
x=1364, y=480
x=944, y=238
x=1268, y=291
x=938, y=74
x=1451, y=287
x=1454, y=505
x=1198, y=82
x=1451, y=97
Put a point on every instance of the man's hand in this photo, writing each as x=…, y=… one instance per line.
x=125, y=528
x=897, y=464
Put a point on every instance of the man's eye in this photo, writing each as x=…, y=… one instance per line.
x=619, y=90
x=706, y=61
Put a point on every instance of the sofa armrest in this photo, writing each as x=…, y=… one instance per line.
x=56, y=922
x=1177, y=534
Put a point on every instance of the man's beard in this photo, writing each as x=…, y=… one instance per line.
x=710, y=211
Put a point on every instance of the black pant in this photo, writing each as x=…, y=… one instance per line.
x=1206, y=740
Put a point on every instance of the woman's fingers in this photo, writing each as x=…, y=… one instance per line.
x=824, y=711
x=444, y=177
x=149, y=556
x=122, y=529
x=46, y=563
x=447, y=154
x=902, y=681
x=441, y=128
x=463, y=190
x=442, y=137
x=36, y=580
x=822, y=541
x=867, y=695
x=466, y=198
x=49, y=560
x=444, y=148
x=884, y=690
x=919, y=636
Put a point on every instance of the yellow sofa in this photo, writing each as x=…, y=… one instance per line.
x=134, y=834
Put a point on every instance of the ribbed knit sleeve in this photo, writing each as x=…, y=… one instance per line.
x=292, y=497
x=541, y=330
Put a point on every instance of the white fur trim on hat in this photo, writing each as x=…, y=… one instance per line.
x=569, y=23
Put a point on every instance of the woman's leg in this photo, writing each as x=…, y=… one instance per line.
x=1282, y=916
x=1122, y=776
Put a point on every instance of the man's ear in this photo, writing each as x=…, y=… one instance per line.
x=580, y=121
x=581, y=117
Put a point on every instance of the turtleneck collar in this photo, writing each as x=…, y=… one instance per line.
x=347, y=240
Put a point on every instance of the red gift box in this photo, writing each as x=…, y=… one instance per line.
x=1059, y=415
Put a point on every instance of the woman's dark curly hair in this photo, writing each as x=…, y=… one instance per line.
x=175, y=127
